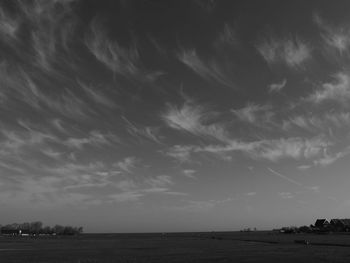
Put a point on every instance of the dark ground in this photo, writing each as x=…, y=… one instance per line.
x=179, y=247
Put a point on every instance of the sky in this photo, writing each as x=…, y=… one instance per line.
x=157, y=115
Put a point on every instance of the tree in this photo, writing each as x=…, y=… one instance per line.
x=35, y=227
x=25, y=226
x=47, y=230
x=58, y=229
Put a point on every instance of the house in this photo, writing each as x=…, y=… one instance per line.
x=321, y=223
x=24, y=232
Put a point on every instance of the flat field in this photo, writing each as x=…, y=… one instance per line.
x=177, y=247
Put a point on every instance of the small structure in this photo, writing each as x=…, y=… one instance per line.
x=24, y=232
x=14, y=232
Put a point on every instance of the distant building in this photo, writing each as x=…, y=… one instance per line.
x=24, y=232
x=321, y=223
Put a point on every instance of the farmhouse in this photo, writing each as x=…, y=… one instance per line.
x=321, y=223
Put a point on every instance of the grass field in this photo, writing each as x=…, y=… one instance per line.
x=179, y=247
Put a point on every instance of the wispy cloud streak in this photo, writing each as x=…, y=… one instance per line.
x=285, y=177
x=207, y=70
x=194, y=119
x=338, y=90
x=335, y=37
x=277, y=87
x=291, y=51
x=125, y=61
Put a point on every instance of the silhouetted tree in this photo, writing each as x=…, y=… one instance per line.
x=35, y=227
x=58, y=229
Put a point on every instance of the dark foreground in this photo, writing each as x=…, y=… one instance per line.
x=185, y=247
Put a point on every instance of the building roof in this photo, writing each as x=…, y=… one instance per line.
x=321, y=222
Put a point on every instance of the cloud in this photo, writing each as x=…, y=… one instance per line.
x=9, y=25
x=133, y=191
x=111, y=54
x=136, y=195
x=209, y=71
x=277, y=87
x=334, y=37
x=126, y=185
x=51, y=153
x=80, y=181
x=15, y=141
x=254, y=113
x=181, y=153
x=328, y=159
x=194, y=119
x=228, y=36
x=58, y=124
x=49, y=184
x=97, y=96
x=338, y=90
x=71, y=169
x=75, y=177
x=318, y=124
x=95, y=138
x=159, y=181
x=18, y=84
x=40, y=192
x=102, y=181
x=272, y=150
x=128, y=164
x=191, y=206
x=304, y=167
x=123, y=61
x=232, y=146
x=93, y=183
x=291, y=51
x=207, y=5
x=49, y=24
x=286, y=195
x=189, y=173
x=286, y=178
x=69, y=105
x=12, y=167
x=146, y=132
x=125, y=197
x=294, y=147
x=45, y=48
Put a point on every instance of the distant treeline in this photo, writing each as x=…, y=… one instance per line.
x=37, y=228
